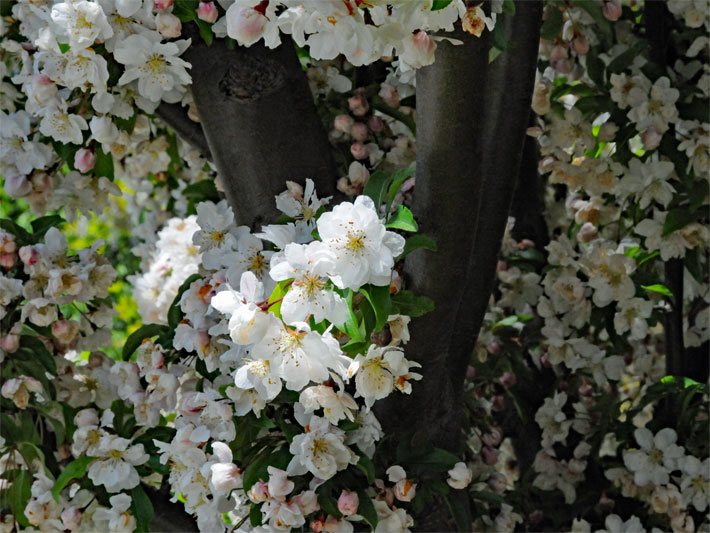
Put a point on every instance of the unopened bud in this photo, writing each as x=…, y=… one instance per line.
x=168, y=25
x=359, y=150
x=359, y=132
x=84, y=160
x=207, y=11
x=348, y=502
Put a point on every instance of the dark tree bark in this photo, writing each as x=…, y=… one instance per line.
x=471, y=122
x=261, y=124
x=528, y=203
x=175, y=116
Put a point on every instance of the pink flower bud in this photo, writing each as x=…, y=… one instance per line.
x=9, y=343
x=29, y=255
x=587, y=233
x=490, y=455
x=348, y=502
x=65, y=331
x=207, y=11
x=17, y=186
x=359, y=105
x=585, y=389
x=536, y=517
x=84, y=160
x=498, y=402
x=359, y=150
x=359, y=132
x=317, y=524
x=612, y=10
x=376, y=124
x=470, y=372
x=162, y=4
x=343, y=123
x=580, y=45
x=168, y=25
x=494, y=347
x=497, y=483
x=7, y=260
x=71, y=518
x=508, y=379
x=492, y=438
x=651, y=138
x=390, y=95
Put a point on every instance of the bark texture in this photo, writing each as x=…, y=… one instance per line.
x=260, y=123
x=471, y=122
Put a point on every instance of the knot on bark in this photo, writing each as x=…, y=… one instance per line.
x=251, y=78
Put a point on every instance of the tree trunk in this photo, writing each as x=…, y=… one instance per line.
x=261, y=124
x=471, y=122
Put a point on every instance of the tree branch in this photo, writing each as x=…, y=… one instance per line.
x=175, y=116
x=527, y=208
x=261, y=124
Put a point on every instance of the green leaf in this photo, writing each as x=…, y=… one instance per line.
x=199, y=191
x=258, y=469
x=376, y=186
x=366, y=509
x=327, y=501
x=552, y=26
x=277, y=295
x=135, y=339
x=416, y=242
x=659, y=289
x=104, y=164
x=381, y=302
x=22, y=236
x=408, y=303
x=42, y=224
x=458, y=514
x=606, y=31
x=437, y=457
x=185, y=10
x=398, y=178
x=74, y=470
x=205, y=31
x=352, y=326
x=367, y=467
x=175, y=313
x=676, y=219
x=255, y=516
x=39, y=351
x=440, y=4
x=142, y=509
x=63, y=47
x=19, y=494
x=595, y=68
x=403, y=219
x=623, y=61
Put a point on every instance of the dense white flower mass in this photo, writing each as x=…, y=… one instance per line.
x=251, y=390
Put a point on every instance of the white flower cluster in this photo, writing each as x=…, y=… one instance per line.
x=174, y=259
x=53, y=278
x=266, y=322
x=362, y=31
